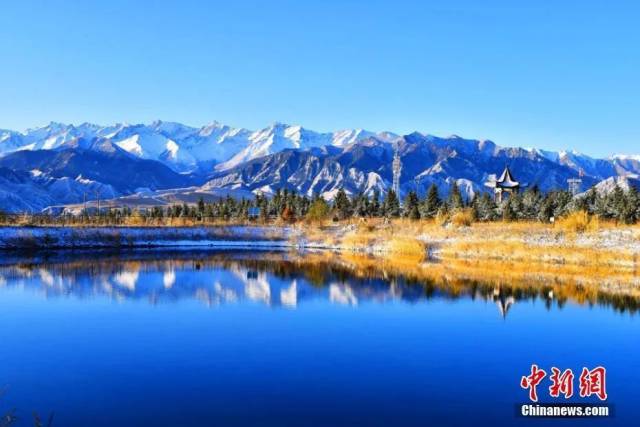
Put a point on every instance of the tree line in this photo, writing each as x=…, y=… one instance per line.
x=532, y=204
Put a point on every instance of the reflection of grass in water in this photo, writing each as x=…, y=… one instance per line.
x=587, y=258
x=618, y=287
x=607, y=285
x=596, y=283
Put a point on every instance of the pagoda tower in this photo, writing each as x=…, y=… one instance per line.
x=504, y=186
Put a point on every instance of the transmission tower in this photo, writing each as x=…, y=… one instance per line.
x=575, y=184
x=397, y=169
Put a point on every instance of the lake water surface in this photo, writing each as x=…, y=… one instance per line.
x=265, y=339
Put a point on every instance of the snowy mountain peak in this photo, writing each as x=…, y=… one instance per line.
x=216, y=146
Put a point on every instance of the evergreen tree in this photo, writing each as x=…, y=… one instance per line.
x=634, y=201
x=600, y=206
x=628, y=212
x=319, y=210
x=374, y=206
x=485, y=207
x=200, y=206
x=411, y=206
x=562, y=203
x=431, y=204
x=208, y=211
x=361, y=205
x=455, y=200
x=508, y=212
x=391, y=206
x=587, y=203
x=515, y=204
x=545, y=212
x=342, y=205
x=616, y=203
x=531, y=200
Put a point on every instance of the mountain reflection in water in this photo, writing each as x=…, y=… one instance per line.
x=278, y=279
x=199, y=338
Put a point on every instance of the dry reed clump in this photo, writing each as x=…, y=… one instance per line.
x=406, y=246
x=414, y=228
x=442, y=218
x=357, y=241
x=578, y=222
x=463, y=218
x=319, y=234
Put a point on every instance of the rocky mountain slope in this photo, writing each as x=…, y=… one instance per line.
x=62, y=164
x=366, y=166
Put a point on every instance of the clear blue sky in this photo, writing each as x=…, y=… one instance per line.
x=551, y=74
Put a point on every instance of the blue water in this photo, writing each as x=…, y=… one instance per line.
x=212, y=339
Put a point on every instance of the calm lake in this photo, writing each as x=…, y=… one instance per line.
x=189, y=338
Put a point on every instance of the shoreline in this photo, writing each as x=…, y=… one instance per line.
x=523, y=253
x=96, y=237
x=617, y=246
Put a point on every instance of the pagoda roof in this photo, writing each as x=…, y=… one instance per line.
x=506, y=180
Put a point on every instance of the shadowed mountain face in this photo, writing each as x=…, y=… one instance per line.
x=116, y=168
x=22, y=191
x=30, y=181
x=62, y=164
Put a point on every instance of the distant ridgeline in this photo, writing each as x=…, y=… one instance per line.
x=66, y=168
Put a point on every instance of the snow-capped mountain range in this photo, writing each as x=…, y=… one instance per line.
x=62, y=164
x=184, y=148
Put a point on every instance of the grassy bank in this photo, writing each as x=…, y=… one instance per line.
x=572, y=242
x=578, y=240
x=59, y=237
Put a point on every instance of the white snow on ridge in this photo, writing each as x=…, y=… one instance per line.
x=131, y=145
x=186, y=148
x=624, y=157
x=183, y=147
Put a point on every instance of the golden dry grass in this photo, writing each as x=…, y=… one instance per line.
x=523, y=242
x=462, y=218
x=578, y=222
x=357, y=241
x=406, y=248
